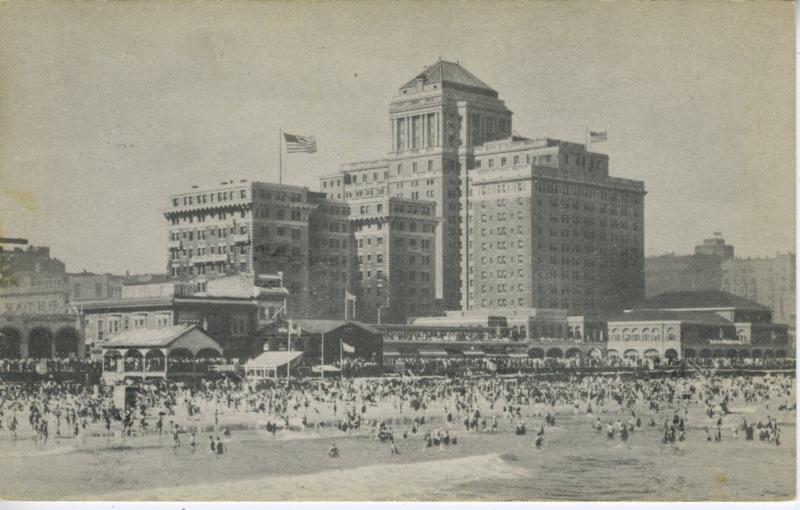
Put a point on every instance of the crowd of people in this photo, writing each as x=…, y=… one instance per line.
x=524, y=364
x=430, y=409
x=49, y=365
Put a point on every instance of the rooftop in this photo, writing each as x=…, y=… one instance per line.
x=667, y=315
x=318, y=326
x=698, y=299
x=149, y=337
x=450, y=73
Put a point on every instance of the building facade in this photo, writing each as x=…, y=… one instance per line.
x=319, y=245
x=545, y=226
x=244, y=228
x=394, y=253
x=231, y=309
x=697, y=324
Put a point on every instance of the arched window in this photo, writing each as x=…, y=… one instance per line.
x=626, y=335
x=671, y=335
x=635, y=335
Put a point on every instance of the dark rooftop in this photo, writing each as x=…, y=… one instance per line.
x=451, y=73
x=698, y=299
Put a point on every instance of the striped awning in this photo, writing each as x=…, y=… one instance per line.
x=391, y=351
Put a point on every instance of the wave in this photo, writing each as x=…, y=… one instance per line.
x=403, y=481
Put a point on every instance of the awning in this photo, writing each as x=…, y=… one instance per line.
x=474, y=352
x=517, y=354
x=391, y=352
x=431, y=351
x=326, y=368
x=273, y=359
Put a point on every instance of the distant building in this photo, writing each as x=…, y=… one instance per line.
x=699, y=271
x=715, y=246
x=769, y=281
x=34, y=283
x=669, y=273
x=87, y=286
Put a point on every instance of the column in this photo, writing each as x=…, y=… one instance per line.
x=439, y=128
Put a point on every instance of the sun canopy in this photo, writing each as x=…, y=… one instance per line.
x=474, y=352
x=273, y=359
x=391, y=352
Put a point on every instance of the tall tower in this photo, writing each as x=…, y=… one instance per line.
x=436, y=120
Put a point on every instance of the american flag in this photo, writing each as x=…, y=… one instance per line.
x=297, y=143
x=598, y=136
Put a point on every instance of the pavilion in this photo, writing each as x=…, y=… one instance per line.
x=179, y=350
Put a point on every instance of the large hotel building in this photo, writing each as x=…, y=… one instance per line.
x=523, y=223
x=460, y=215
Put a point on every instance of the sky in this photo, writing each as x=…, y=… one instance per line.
x=108, y=107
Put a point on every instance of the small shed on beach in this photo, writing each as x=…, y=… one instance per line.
x=343, y=339
x=271, y=364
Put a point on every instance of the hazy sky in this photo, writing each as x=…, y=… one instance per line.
x=108, y=107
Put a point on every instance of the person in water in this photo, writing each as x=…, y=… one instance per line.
x=333, y=451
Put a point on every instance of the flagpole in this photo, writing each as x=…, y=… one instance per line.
x=586, y=134
x=341, y=357
x=288, y=349
x=280, y=156
x=322, y=359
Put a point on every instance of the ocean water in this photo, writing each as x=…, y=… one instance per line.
x=576, y=463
